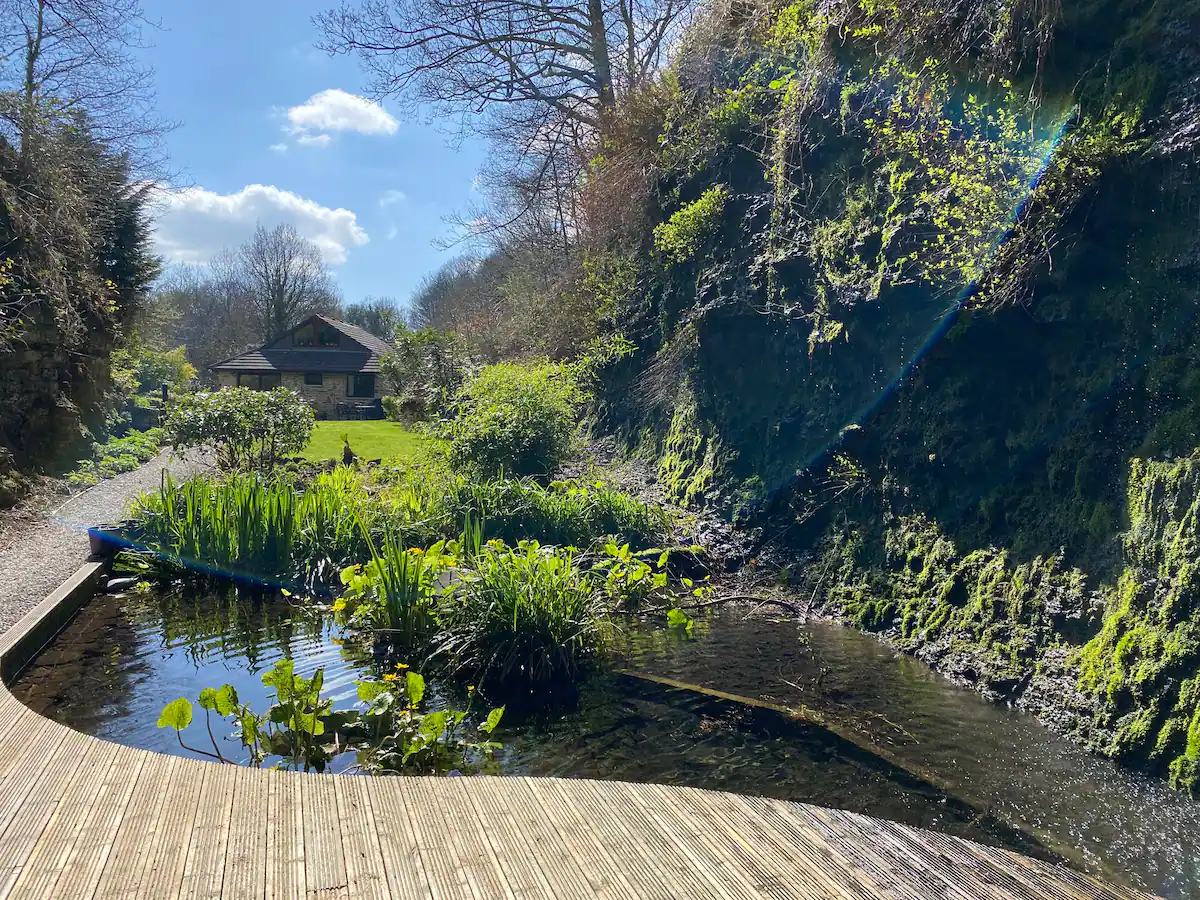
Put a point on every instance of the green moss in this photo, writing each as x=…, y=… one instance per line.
x=690, y=460
x=679, y=238
x=1144, y=661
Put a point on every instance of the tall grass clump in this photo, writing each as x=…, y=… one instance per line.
x=431, y=503
x=257, y=527
x=528, y=613
x=392, y=595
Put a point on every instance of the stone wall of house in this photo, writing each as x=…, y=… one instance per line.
x=324, y=397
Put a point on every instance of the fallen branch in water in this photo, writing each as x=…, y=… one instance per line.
x=732, y=598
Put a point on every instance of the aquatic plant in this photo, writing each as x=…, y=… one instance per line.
x=393, y=594
x=389, y=730
x=525, y=613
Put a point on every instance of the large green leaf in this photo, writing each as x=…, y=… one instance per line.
x=493, y=720
x=177, y=714
x=416, y=688
x=222, y=700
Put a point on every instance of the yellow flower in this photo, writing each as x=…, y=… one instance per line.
x=338, y=605
x=470, y=688
x=401, y=666
x=390, y=677
x=415, y=551
x=285, y=592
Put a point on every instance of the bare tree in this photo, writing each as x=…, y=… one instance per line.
x=285, y=278
x=61, y=59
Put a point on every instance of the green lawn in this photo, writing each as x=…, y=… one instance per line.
x=370, y=440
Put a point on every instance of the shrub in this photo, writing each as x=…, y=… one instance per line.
x=529, y=613
x=244, y=428
x=425, y=371
x=513, y=418
x=117, y=455
x=680, y=237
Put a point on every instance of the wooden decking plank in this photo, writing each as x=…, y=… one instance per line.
x=764, y=844
x=40, y=838
x=23, y=746
x=204, y=869
x=324, y=864
x=84, y=867
x=246, y=851
x=707, y=819
x=163, y=873
x=539, y=840
x=462, y=861
x=579, y=839
x=140, y=823
x=809, y=849
x=891, y=867
x=974, y=875
x=1084, y=885
x=744, y=873
x=285, y=837
x=366, y=876
x=639, y=850
x=518, y=867
x=405, y=869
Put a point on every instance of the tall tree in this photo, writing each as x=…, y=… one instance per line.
x=378, y=315
x=81, y=55
x=285, y=279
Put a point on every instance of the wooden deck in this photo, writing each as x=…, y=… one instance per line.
x=81, y=817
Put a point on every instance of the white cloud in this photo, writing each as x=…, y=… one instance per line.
x=336, y=110
x=393, y=232
x=193, y=224
x=313, y=140
x=391, y=197
x=279, y=148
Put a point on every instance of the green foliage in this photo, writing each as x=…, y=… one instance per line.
x=117, y=455
x=1144, y=665
x=177, y=714
x=681, y=236
x=429, y=504
x=245, y=428
x=687, y=468
x=142, y=370
x=424, y=373
x=393, y=594
x=515, y=419
x=528, y=613
x=926, y=591
x=266, y=529
x=303, y=730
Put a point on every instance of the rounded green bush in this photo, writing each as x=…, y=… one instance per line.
x=516, y=419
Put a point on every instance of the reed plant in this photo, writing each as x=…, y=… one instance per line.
x=528, y=613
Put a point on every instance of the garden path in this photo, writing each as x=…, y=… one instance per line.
x=39, y=551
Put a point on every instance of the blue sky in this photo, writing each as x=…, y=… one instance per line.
x=272, y=129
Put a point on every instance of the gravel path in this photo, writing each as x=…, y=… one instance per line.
x=37, y=555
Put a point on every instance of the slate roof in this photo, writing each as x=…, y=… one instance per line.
x=268, y=358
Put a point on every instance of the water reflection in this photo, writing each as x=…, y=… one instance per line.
x=946, y=759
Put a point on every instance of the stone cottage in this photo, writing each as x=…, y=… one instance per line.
x=331, y=364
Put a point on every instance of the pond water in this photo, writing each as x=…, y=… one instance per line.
x=902, y=743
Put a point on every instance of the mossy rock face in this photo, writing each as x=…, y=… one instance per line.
x=1144, y=665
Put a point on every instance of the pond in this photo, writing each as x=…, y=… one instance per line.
x=707, y=710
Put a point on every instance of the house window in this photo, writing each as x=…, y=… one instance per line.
x=304, y=337
x=360, y=385
x=313, y=378
x=329, y=337
x=257, y=382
